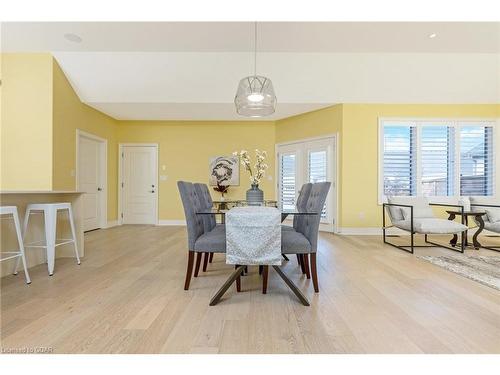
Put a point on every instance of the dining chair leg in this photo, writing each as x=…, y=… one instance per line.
x=314, y=272
x=205, y=262
x=238, y=279
x=189, y=271
x=302, y=263
x=305, y=257
x=260, y=269
x=265, y=273
x=298, y=259
x=198, y=262
x=211, y=258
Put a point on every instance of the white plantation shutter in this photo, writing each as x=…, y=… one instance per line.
x=287, y=181
x=437, y=160
x=399, y=160
x=317, y=170
x=476, y=160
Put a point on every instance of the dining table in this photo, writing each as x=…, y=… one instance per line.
x=240, y=269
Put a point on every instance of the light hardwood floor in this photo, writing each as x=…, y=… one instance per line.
x=128, y=297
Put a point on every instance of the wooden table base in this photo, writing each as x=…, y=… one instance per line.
x=236, y=273
x=239, y=271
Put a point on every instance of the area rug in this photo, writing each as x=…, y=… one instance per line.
x=483, y=269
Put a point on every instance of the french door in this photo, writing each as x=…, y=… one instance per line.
x=308, y=161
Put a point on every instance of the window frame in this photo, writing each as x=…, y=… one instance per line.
x=457, y=124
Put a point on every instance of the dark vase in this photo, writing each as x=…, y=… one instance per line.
x=255, y=196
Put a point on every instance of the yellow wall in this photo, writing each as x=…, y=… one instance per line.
x=309, y=125
x=40, y=114
x=69, y=114
x=360, y=151
x=186, y=146
x=26, y=122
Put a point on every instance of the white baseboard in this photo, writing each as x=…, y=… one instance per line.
x=172, y=222
x=111, y=224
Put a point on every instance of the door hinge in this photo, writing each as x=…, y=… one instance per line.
x=122, y=185
x=122, y=154
x=122, y=215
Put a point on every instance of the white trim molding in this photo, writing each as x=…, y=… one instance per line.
x=111, y=224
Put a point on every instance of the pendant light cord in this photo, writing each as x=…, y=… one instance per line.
x=255, y=50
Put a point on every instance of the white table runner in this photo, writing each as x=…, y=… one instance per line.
x=253, y=236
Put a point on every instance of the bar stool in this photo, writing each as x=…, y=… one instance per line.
x=12, y=210
x=50, y=211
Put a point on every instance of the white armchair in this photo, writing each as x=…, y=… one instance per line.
x=492, y=217
x=415, y=215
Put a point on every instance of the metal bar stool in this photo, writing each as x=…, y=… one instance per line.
x=50, y=211
x=12, y=210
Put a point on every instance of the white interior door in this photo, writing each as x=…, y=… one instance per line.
x=89, y=181
x=139, y=184
x=308, y=161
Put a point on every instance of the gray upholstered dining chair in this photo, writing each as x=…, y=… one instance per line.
x=304, y=192
x=209, y=221
x=199, y=240
x=304, y=240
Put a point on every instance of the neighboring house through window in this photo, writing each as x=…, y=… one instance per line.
x=436, y=158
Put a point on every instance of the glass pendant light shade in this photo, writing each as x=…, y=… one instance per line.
x=255, y=97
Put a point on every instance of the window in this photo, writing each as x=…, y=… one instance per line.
x=399, y=160
x=317, y=170
x=437, y=156
x=437, y=159
x=476, y=160
x=287, y=177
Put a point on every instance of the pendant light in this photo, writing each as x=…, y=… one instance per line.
x=255, y=96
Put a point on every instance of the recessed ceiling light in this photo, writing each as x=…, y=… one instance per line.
x=433, y=35
x=73, y=38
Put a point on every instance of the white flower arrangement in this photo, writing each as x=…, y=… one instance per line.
x=260, y=167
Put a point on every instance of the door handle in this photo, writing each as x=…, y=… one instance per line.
x=99, y=189
x=152, y=191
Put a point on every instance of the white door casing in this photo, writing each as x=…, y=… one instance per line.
x=306, y=153
x=91, y=179
x=139, y=184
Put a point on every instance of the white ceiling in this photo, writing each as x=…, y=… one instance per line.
x=189, y=71
x=461, y=37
